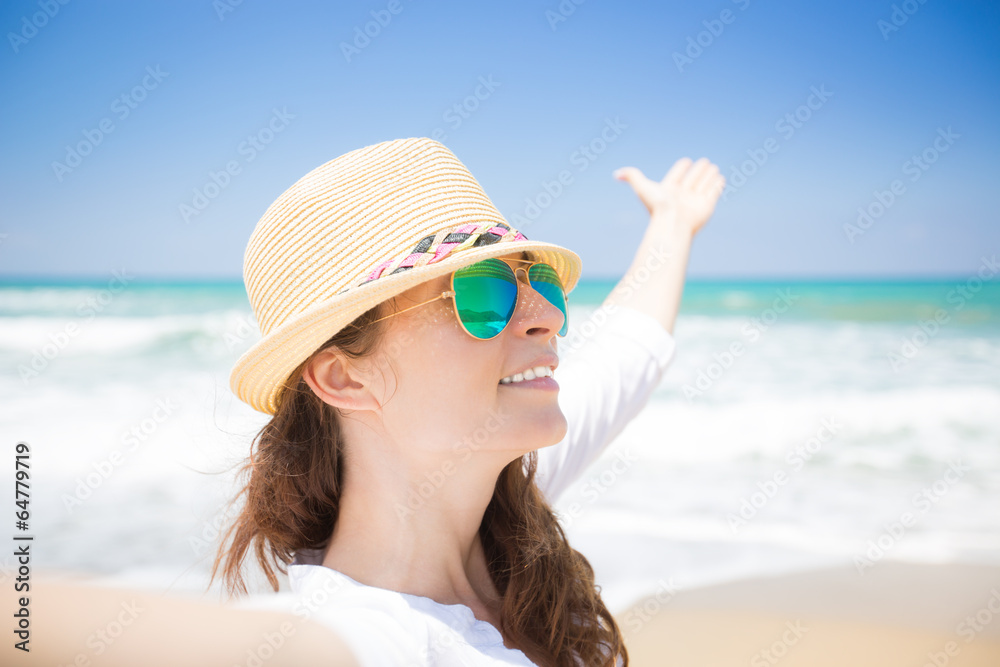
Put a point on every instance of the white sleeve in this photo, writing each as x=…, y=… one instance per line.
x=377, y=635
x=603, y=384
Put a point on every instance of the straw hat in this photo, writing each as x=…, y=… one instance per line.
x=354, y=232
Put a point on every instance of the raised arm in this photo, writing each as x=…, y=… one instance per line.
x=679, y=206
x=607, y=380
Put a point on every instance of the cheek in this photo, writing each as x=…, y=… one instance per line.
x=446, y=359
x=438, y=325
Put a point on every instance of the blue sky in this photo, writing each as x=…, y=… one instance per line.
x=221, y=77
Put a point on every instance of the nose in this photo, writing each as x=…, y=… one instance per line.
x=533, y=310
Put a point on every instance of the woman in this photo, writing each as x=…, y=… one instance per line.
x=417, y=438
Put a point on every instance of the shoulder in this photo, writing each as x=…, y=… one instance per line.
x=625, y=323
x=384, y=627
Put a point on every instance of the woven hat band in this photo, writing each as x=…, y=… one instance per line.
x=445, y=243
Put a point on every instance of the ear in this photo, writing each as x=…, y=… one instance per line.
x=340, y=383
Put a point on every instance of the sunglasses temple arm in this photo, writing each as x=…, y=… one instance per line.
x=442, y=295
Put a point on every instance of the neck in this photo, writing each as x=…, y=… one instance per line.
x=413, y=526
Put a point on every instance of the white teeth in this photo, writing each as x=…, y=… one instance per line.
x=530, y=374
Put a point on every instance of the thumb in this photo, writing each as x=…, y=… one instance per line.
x=629, y=174
x=642, y=185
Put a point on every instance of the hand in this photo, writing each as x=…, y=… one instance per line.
x=688, y=192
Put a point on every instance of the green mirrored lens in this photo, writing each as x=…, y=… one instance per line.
x=545, y=281
x=485, y=297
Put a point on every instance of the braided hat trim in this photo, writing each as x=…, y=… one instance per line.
x=445, y=243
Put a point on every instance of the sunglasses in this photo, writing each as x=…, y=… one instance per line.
x=485, y=294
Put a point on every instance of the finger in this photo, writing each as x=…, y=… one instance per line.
x=715, y=186
x=706, y=177
x=677, y=171
x=695, y=173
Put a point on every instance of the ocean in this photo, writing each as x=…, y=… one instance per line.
x=801, y=424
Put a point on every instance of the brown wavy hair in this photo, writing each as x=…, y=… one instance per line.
x=551, y=609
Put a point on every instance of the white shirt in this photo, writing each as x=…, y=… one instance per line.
x=603, y=384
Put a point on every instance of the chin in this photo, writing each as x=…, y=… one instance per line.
x=545, y=432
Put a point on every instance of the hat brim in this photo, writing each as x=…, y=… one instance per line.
x=259, y=374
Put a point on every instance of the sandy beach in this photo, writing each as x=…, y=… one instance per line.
x=895, y=614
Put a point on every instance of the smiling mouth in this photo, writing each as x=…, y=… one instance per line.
x=546, y=383
x=529, y=375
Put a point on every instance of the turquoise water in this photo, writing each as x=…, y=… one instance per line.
x=971, y=302
x=717, y=427
x=862, y=301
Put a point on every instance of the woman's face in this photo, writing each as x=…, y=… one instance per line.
x=441, y=389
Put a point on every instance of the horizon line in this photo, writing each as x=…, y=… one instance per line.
x=8, y=280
